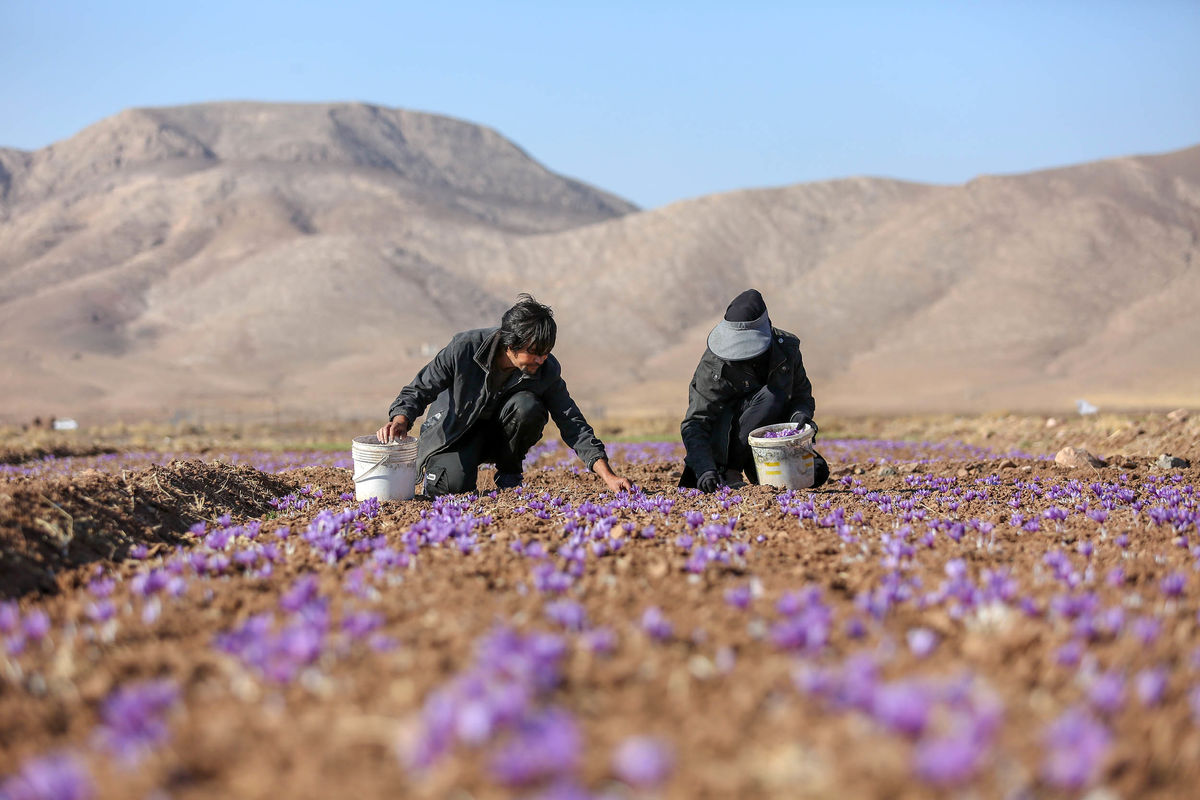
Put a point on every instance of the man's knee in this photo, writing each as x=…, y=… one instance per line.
x=445, y=474
x=820, y=470
x=525, y=413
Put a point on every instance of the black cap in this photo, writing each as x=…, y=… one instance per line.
x=746, y=307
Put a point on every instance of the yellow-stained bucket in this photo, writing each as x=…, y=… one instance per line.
x=786, y=461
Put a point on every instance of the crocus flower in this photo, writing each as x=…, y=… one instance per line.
x=1150, y=684
x=946, y=761
x=1107, y=692
x=134, y=719
x=546, y=744
x=656, y=625
x=567, y=613
x=643, y=761
x=1146, y=629
x=922, y=641
x=37, y=624
x=1077, y=746
x=600, y=641
x=10, y=617
x=1173, y=585
x=53, y=777
x=902, y=706
x=738, y=596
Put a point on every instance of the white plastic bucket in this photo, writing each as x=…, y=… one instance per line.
x=384, y=471
x=786, y=462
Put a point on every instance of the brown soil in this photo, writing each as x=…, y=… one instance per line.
x=48, y=526
x=737, y=731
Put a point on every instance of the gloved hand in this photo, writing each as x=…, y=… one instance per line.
x=708, y=482
x=801, y=419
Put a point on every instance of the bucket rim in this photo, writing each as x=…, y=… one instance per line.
x=805, y=436
x=371, y=440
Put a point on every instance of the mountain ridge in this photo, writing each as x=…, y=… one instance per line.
x=250, y=258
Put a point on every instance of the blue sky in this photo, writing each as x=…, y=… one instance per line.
x=653, y=101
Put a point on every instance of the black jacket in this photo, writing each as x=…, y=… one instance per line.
x=718, y=384
x=455, y=383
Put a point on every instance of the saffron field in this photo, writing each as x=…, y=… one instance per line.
x=947, y=617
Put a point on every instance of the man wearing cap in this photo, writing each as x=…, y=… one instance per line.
x=750, y=375
x=489, y=394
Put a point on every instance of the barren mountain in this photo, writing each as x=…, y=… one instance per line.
x=248, y=258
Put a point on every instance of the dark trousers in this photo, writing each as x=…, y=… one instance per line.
x=502, y=441
x=767, y=406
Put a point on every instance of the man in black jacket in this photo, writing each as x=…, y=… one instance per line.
x=491, y=391
x=750, y=375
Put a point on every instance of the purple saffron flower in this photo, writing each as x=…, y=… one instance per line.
x=922, y=641
x=36, y=625
x=1107, y=692
x=300, y=593
x=361, y=623
x=1173, y=585
x=1150, y=685
x=1146, y=630
x=903, y=706
x=739, y=596
x=947, y=761
x=655, y=625
x=134, y=719
x=568, y=614
x=101, y=587
x=545, y=745
x=809, y=629
x=100, y=611
x=54, y=777
x=600, y=641
x=1077, y=746
x=564, y=789
x=643, y=761
x=10, y=617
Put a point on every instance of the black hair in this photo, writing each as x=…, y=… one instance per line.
x=528, y=326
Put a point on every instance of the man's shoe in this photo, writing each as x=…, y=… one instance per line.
x=509, y=480
x=733, y=478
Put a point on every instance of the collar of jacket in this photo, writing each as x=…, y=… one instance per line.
x=777, y=360
x=485, y=356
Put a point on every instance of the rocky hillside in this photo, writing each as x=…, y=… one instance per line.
x=245, y=258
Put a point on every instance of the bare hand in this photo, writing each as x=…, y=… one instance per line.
x=396, y=429
x=612, y=480
x=616, y=483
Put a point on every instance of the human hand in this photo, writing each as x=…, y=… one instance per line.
x=801, y=419
x=708, y=482
x=616, y=483
x=396, y=429
x=612, y=480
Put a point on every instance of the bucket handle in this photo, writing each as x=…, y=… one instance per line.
x=372, y=468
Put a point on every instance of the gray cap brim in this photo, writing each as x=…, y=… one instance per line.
x=738, y=341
